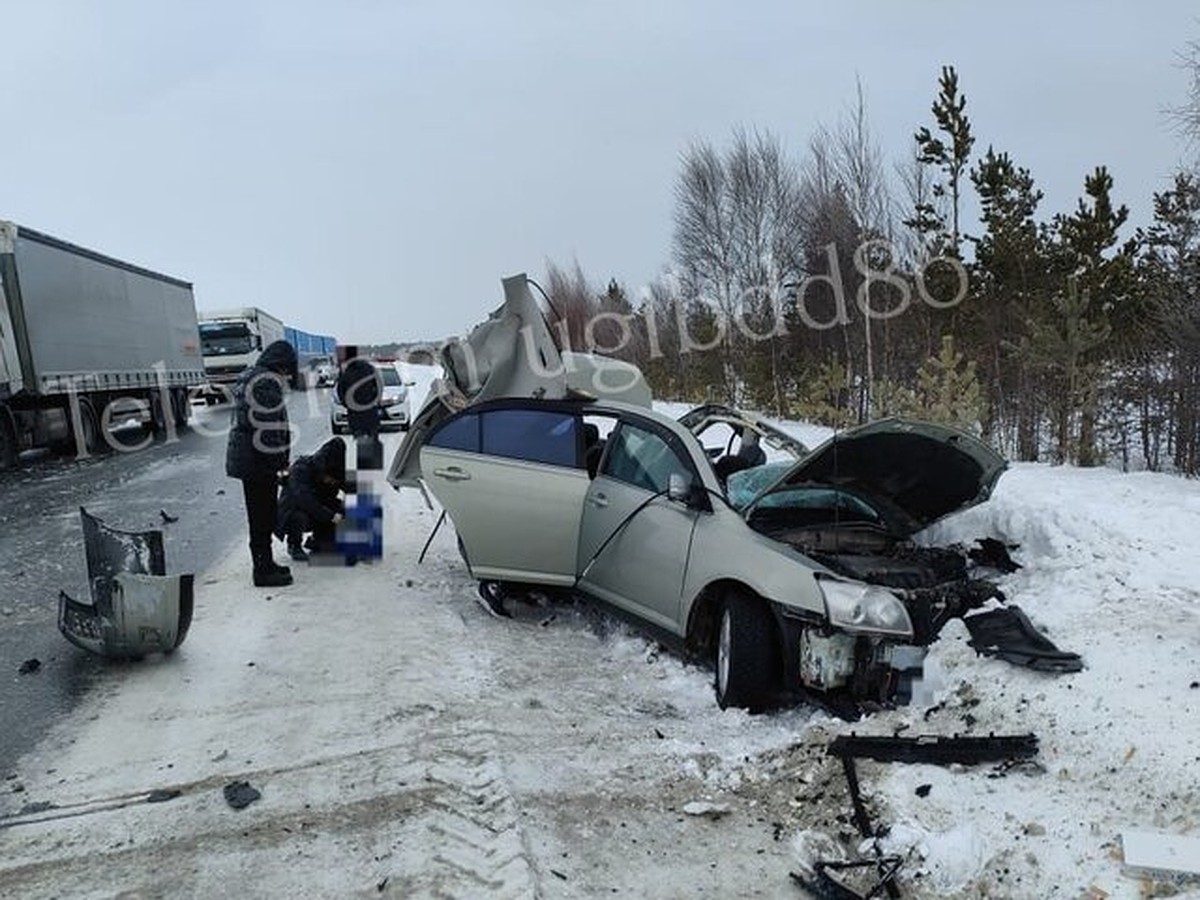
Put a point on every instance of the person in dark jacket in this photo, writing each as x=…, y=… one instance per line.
x=310, y=500
x=259, y=450
x=359, y=388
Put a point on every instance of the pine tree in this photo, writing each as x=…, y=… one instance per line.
x=1104, y=281
x=1168, y=341
x=1010, y=279
x=950, y=153
x=1062, y=345
x=948, y=390
x=825, y=397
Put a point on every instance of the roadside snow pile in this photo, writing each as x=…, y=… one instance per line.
x=1110, y=571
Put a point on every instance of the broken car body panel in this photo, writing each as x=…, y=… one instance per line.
x=136, y=608
x=512, y=354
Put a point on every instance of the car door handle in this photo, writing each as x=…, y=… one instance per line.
x=453, y=473
x=598, y=500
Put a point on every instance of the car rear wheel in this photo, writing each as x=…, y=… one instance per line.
x=747, y=655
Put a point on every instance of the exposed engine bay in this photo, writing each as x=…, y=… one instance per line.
x=935, y=584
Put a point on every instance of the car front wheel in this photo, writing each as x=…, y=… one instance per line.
x=747, y=655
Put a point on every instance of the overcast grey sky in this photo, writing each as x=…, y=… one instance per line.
x=372, y=169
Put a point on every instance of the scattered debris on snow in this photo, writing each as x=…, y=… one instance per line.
x=706, y=809
x=240, y=794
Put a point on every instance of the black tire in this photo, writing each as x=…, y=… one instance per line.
x=156, y=420
x=89, y=428
x=181, y=407
x=9, y=452
x=747, y=655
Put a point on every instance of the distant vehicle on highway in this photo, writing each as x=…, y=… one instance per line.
x=87, y=341
x=394, y=406
x=231, y=341
x=311, y=350
x=325, y=371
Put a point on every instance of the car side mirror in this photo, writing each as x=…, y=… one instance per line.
x=410, y=383
x=682, y=489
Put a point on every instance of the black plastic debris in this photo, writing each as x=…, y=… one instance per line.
x=162, y=795
x=136, y=607
x=167, y=517
x=936, y=749
x=832, y=878
x=994, y=555
x=1008, y=634
x=29, y=666
x=923, y=790
x=239, y=794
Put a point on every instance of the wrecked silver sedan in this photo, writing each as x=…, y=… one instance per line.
x=792, y=576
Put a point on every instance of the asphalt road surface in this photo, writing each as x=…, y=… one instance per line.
x=41, y=548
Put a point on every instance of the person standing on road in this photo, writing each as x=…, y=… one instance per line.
x=259, y=450
x=360, y=388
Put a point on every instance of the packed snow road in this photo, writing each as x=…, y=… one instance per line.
x=41, y=547
x=404, y=742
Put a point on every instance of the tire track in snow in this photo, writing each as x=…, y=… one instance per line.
x=476, y=842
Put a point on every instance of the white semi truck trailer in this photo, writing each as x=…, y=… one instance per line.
x=86, y=342
x=231, y=342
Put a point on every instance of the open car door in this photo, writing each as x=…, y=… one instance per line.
x=510, y=476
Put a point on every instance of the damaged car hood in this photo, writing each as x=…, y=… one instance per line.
x=512, y=354
x=913, y=473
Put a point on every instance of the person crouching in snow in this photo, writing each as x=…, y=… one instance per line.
x=310, y=501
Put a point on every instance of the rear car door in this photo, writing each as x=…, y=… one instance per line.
x=634, y=541
x=512, y=481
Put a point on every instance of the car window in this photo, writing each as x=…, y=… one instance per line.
x=642, y=458
x=533, y=435
x=391, y=378
x=461, y=433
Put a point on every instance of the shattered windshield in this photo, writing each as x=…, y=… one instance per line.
x=744, y=486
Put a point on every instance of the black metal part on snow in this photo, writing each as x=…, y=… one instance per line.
x=994, y=554
x=829, y=885
x=935, y=749
x=1008, y=634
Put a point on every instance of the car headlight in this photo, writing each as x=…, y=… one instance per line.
x=865, y=608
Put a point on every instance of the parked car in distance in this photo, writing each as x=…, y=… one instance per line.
x=325, y=372
x=394, y=406
x=791, y=577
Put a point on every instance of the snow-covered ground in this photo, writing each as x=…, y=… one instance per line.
x=406, y=744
